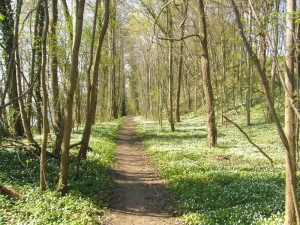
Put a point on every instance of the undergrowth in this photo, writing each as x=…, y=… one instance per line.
x=86, y=201
x=232, y=183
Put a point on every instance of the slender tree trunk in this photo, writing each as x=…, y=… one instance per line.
x=9, y=44
x=57, y=117
x=290, y=216
x=71, y=87
x=68, y=18
x=297, y=88
x=37, y=88
x=241, y=77
x=122, y=111
x=25, y=120
x=208, y=92
x=36, y=40
x=249, y=71
x=43, y=184
x=179, y=81
x=274, y=67
x=7, y=30
x=94, y=89
x=170, y=69
x=114, y=106
x=224, y=88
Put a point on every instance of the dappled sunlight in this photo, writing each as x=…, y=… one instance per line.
x=232, y=183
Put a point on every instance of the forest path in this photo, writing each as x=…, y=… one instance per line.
x=139, y=196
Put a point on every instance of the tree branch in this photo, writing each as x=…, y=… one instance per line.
x=19, y=97
x=178, y=39
x=248, y=138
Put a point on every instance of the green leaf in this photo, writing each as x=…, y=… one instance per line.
x=1, y=17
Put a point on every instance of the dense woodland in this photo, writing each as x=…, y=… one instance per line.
x=67, y=67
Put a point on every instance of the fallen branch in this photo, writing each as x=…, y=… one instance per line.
x=10, y=192
x=75, y=144
x=248, y=138
x=27, y=147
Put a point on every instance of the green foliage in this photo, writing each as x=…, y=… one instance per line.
x=1, y=17
x=86, y=201
x=230, y=184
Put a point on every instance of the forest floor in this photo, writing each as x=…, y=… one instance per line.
x=138, y=196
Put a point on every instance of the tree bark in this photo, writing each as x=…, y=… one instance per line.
x=43, y=184
x=25, y=120
x=94, y=90
x=57, y=117
x=249, y=73
x=114, y=106
x=7, y=29
x=180, y=69
x=71, y=87
x=274, y=66
x=170, y=68
x=289, y=123
x=205, y=68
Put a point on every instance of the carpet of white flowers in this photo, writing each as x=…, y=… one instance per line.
x=232, y=183
x=86, y=201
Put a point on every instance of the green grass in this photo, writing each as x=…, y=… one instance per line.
x=86, y=201
x=229, y=184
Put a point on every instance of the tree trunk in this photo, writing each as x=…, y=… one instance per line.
x=180, y=67
x=6, y=27
x=43, y=184
x=94, y=90
x=55, y=100
x=25, y=120
x=224, y=86
x=170, y=69
x=289, y=127
x=37, y=88
x=71, y=87
x=114, y=106
x=274, y=67
x=249, y=71
x=36, y=40
x=205, y=68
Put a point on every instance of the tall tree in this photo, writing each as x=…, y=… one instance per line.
x=16, y=57
x=205, y=68
x=113, y=91
x=289, y=122
x=45, y=132
x=55, y=100
x=71, y=87
x=7, y=30
x=170, y=66
x=94, y=87
x=184, y=10
x=249, y=73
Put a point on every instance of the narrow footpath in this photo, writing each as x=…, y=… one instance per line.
x=139, y=196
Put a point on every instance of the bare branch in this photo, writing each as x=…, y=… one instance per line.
x=248, y=138
x=178, y=39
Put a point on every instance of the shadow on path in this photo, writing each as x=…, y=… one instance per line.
x=139, y=196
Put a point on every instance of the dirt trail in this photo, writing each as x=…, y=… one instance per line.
x=139, y=196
